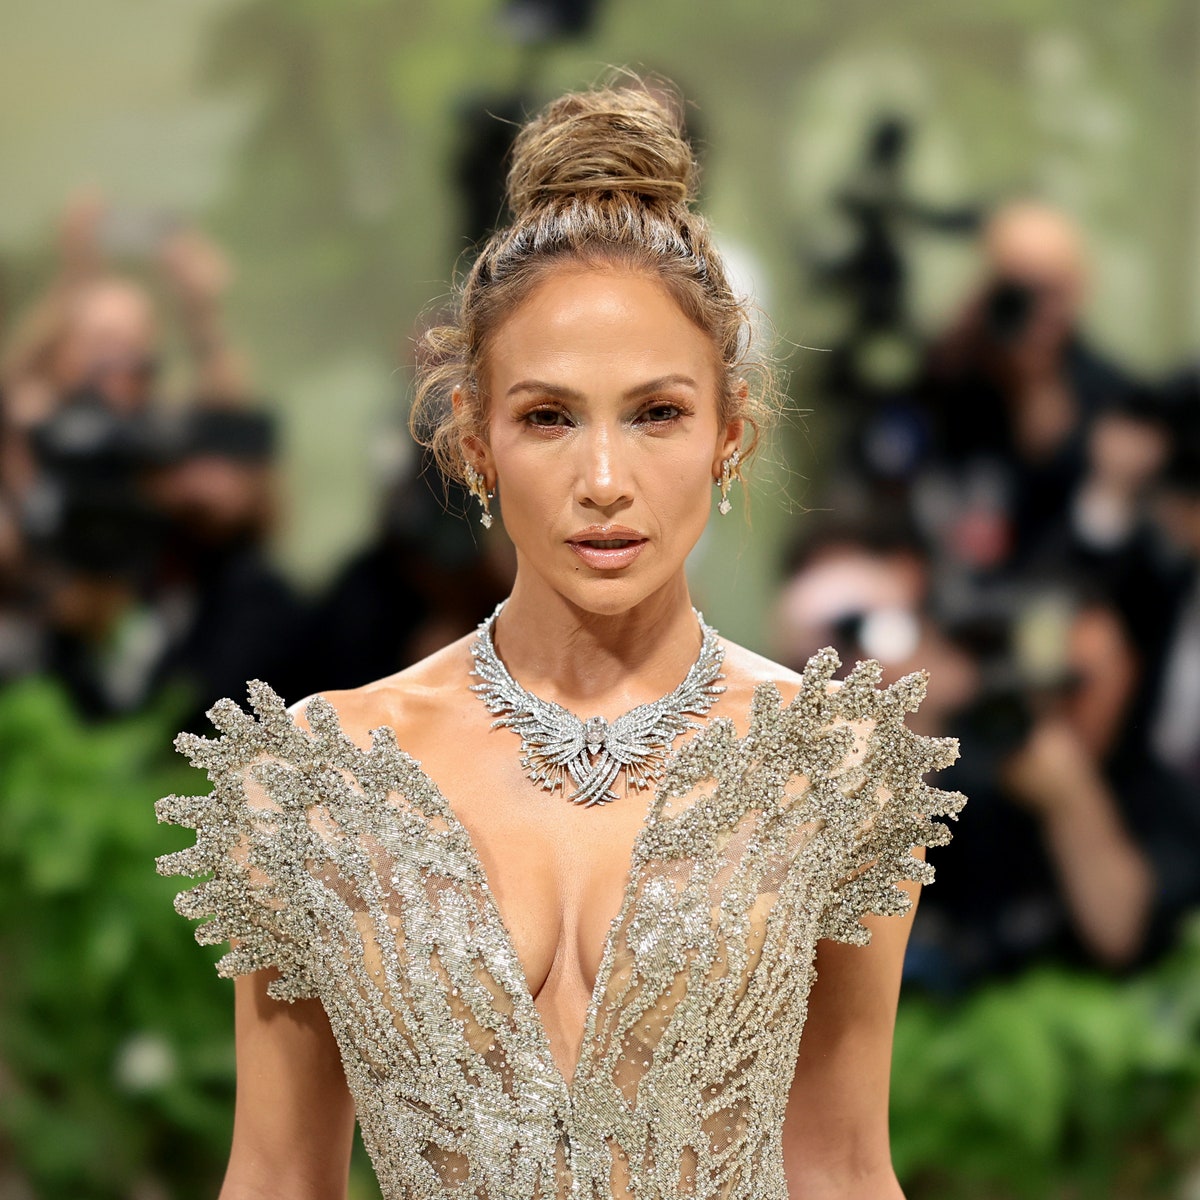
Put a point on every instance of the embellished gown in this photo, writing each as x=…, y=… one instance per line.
x=347, y=870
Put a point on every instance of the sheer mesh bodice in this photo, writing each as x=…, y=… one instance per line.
x=347, y=870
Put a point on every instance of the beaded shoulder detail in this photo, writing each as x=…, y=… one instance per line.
x=347, y=870
x=255, y=830
x=863, y=771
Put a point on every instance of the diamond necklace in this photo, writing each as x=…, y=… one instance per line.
x=556, y=744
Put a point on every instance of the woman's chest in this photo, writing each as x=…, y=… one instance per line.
x=686, y=948
x=557, y=871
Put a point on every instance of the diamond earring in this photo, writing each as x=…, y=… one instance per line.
x=477, y=486
x=729, y=472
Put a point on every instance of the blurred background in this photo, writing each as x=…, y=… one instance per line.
x=976, y=242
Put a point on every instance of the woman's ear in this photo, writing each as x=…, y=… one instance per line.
x=734, y=431
x=475, y=449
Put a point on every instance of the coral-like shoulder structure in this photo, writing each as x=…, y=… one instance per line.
x=347, y=871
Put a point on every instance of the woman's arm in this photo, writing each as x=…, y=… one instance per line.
x=835, y=1134
x=293, y=1126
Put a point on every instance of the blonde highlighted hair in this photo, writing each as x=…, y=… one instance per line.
x=599, y=178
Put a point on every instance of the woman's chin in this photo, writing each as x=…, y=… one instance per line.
x=610, y=594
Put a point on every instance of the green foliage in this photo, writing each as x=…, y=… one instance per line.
x=115, y=1029
x=1057, y=1083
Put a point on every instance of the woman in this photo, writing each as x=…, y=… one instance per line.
x=553, y=946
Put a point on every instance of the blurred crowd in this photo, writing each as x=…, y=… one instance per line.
x=1012, y=511
x=137, y=511
x=1003, y=506
x=133, y=528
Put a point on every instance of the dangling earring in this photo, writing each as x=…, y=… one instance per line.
x=477, y=486
x=729, y=472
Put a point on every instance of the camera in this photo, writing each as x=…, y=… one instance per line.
x=1008, y=311
x=87, y=509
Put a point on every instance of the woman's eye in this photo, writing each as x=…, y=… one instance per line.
x=660, y=414
x=547, y=418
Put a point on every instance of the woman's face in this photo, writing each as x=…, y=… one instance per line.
x=604, y=437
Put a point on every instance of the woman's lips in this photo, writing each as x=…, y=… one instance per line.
x=608, y=554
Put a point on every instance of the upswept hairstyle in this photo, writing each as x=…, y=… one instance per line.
x=605, y=178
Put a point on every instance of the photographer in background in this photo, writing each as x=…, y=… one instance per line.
x=92, y=538
x=1011, y=392
x=96, y=330
x=141, y=524
x=230, y=614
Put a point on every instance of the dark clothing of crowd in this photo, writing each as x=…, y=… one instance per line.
x=1000, y=530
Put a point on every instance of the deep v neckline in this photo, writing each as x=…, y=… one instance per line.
x=608, y=950
x=523, y=999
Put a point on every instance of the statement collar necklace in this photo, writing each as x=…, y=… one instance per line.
x=556, y=744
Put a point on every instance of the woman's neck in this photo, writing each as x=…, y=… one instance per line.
x=605, y=664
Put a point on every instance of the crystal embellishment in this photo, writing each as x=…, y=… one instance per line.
x=556, y=745
x=595, y=730
x=343, y=867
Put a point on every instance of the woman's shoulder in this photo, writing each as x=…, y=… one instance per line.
x=409, y=700
x=747, y=671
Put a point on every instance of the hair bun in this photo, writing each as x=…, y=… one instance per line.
x=615, y=140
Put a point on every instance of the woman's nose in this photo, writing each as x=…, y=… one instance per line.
x=603, y=476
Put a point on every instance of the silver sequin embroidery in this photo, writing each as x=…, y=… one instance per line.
x=347, y=870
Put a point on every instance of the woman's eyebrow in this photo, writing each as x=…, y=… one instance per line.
x=546, y=389
x=658, y=385
x=565, y=393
